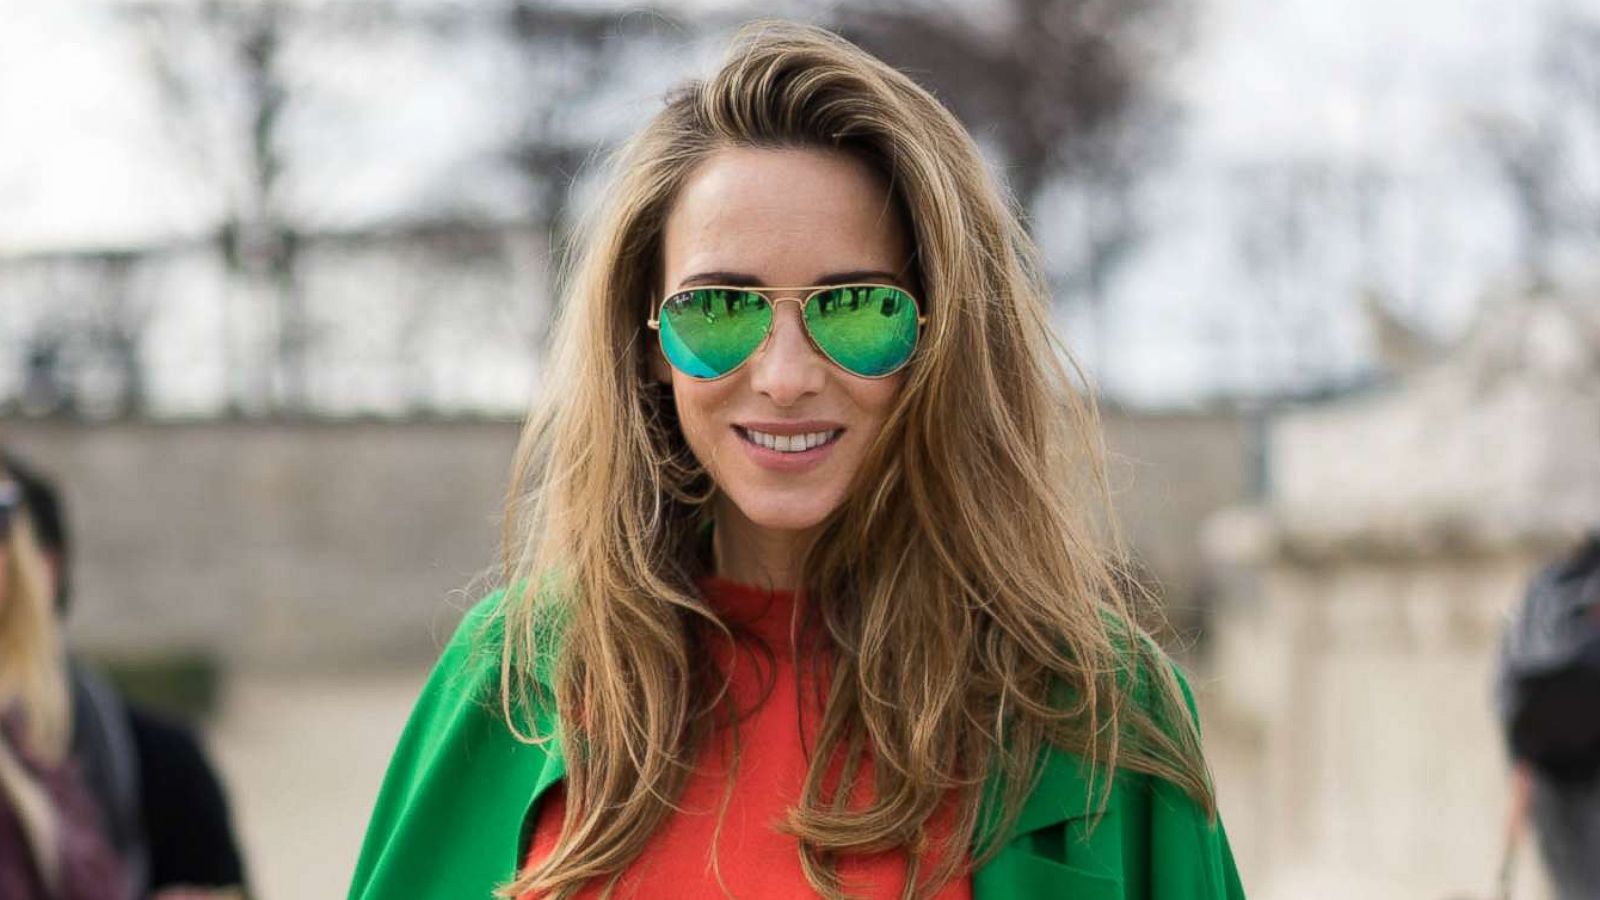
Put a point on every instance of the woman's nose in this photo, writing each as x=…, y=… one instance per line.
x=787, y=367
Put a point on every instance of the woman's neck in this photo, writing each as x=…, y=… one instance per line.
x=745, y=552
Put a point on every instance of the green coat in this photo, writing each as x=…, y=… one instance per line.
x=449, y=819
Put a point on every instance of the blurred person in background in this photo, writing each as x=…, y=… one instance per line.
x=1549, y=694
x=54, y=842
x=164, y=809
x=802, y=598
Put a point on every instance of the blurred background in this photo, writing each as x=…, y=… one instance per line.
x=276, y=278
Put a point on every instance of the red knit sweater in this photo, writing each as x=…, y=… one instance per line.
x=756, y=860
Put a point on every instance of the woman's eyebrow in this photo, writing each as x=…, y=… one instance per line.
x=742, y=279
x=858, y=276
x=731, y=279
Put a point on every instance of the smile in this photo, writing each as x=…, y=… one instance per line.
x=789, y=443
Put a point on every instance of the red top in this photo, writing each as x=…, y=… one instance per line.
x=755, y=859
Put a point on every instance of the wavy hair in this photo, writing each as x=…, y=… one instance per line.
x=32, y=667
x=967, y=600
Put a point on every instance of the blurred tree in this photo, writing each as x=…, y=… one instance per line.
x=573, y=56
x=569, y=50
x=1544, y=152
x=1572, y=66
x=45, y=389
x=1062, y=92
x=222, y=69
x=1527, y=159
x=84, y=355
x=1292, y=215
x=219, y=69
x=119, y=322
x=258, y=239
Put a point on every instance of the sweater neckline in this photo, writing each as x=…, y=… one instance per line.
x=767, y=612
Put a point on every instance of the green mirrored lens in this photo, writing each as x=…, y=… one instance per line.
x=870, y=330
x=708, y=332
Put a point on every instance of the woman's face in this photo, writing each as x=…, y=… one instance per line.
x=779, y=218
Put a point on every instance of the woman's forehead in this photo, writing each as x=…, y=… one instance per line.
x=784, y=217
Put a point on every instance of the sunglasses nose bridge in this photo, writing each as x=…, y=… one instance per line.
x=798, y=300
x=772, y=327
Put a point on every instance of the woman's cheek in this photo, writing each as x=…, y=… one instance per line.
x=699, y=407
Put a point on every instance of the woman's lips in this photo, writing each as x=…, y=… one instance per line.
x=755, y=440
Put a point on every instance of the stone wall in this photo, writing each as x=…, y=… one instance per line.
x=1168, y=473
x=1375, y=766
x=1357, y=640
x=348, y=544
x=277, y=545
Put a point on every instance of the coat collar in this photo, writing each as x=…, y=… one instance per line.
x=1066, y=788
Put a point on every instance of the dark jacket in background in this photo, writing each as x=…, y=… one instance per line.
x=1549, y=697
x=165, y=809
x=187, y=824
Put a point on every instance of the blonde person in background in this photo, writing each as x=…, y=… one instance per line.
x=804, y=591
x=159, y=805
x=52, y=838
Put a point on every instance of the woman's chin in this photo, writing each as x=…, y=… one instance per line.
x=784, y=513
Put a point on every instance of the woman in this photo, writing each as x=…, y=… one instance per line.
x=805, y=592
x=52, y=834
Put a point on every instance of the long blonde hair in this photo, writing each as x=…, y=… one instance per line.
x=32, y=666
x=967, y=602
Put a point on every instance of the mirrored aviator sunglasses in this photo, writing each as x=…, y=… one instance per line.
x=869, y=330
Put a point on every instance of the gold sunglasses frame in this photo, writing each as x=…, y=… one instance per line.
x=812, y=290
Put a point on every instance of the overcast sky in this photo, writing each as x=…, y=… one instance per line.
x=1352, y=85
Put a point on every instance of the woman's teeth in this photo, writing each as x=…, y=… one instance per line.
x=790, y=443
